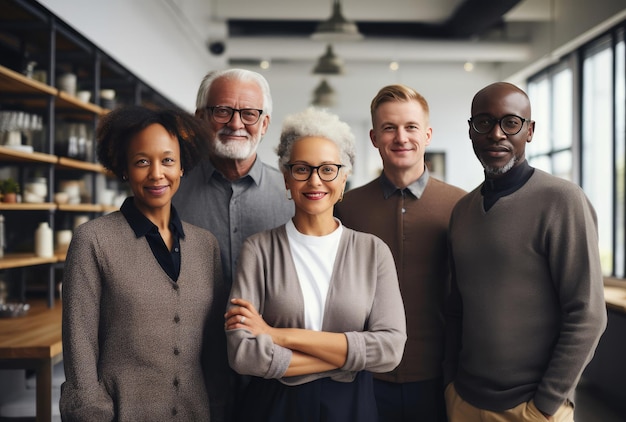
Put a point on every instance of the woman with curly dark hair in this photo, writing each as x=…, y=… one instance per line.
x=142, y=291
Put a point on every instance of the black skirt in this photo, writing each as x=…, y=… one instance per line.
x=322, y=400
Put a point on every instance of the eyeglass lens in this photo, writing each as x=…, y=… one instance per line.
x=223, y=114
x=326, y=172
x=510, y=125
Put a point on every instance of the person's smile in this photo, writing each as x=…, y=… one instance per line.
x=234, y=135
x=156, y=190
x=314, y=196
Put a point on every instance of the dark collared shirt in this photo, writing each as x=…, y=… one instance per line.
x=416, y=188
x=142, y=226
x=512, y=180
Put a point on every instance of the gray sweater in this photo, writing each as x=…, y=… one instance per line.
x=528, y=301
x=363, y=302
x=134, y=340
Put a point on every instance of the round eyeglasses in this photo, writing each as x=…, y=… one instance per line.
x=510, y=124
x=303, y=172
x=224, y=114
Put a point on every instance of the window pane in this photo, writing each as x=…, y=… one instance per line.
x=620, y=152
x=562, y=164
x=562, y=126
x=539, y=94
x=541, y=162
x=597, y=140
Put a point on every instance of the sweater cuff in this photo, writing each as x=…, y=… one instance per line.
x=281, y=357
x=356, y=358
x=546, y=405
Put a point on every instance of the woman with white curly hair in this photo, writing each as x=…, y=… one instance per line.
x=315, y=307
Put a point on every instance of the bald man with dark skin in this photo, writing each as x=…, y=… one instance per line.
x=527, y=307
x=499, y=152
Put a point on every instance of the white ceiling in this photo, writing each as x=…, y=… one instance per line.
x=268, y=35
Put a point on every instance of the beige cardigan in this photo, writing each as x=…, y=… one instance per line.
x=363, y=302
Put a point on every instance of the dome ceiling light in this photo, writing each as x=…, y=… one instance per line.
x=324, y=95
x=329, y=64
x=337, y=28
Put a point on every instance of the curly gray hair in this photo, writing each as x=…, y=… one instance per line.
x=316, y=122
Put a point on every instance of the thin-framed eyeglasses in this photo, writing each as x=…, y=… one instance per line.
x=510, y=124
x=224, y=114
x=302, y=172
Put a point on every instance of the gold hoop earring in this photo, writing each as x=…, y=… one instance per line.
x=341, y=197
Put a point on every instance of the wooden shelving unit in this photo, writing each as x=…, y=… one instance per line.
x=31, y=33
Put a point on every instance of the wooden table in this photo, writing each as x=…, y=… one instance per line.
x=33, y=342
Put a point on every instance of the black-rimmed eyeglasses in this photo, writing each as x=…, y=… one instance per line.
x=303, y=172
x=510, y=124
x=224, y=114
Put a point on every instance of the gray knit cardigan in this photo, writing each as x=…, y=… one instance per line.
x=363, y=302
x=134, y=341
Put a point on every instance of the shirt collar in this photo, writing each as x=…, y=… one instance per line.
x=141, y=225
x=416, y=188
x=255, y=171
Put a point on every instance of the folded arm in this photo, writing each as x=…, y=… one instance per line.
x=314, y=351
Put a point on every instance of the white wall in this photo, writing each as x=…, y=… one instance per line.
x=149, y=37
x=154, y=40
x=447, y=87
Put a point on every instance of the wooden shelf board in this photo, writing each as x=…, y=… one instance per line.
x=80, y=207
x=64, y=100
x=11, y=81
x=24, y=206
x=8, y=154
x=72, y=164
x=24, y=260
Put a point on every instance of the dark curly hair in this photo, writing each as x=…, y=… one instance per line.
x=117, y=129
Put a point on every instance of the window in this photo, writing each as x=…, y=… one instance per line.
x=597, y=141
x=551, y=96
x=585, y=93
x=620, y=154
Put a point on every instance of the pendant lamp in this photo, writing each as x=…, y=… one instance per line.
x=328, y=64
x=337, y=28
x=324, y=95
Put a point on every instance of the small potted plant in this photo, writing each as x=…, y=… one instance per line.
x=10, y=189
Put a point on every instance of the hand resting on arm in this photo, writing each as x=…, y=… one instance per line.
x=313, y=351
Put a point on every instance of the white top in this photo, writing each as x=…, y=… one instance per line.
x=314, y=258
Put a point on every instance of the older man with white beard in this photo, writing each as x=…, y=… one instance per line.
x=233, y=194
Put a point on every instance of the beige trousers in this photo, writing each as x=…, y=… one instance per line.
x=461, y=411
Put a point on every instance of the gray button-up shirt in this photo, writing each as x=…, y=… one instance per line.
x=232, y=211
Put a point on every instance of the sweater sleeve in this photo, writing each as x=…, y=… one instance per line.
x=379, y=348
x=574, y=262
x=83, y=396
x=249, y=354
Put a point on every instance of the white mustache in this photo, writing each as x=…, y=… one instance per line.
x=229, y=132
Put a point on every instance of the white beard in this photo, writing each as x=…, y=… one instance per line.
x=235, y=150
x=497, y=171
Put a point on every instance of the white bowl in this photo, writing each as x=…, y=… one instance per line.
x=39, y=189
x=84, y=96
x=32, y=198
x=61, y=197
